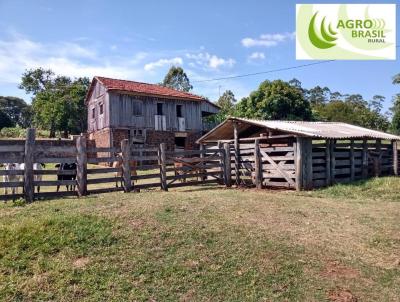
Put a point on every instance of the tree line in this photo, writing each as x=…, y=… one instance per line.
x=58, y=104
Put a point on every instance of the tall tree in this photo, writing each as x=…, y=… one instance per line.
x=395, y=109
x=177, y=79
x=58, y=102
x=275, y=100
x=318, y=95
x=226, y=102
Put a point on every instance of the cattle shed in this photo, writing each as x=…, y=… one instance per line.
x=303, y=155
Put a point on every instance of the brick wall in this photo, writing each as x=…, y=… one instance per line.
x=101, y=138
x=191, y=139
x=155, y=138
x=118, y=135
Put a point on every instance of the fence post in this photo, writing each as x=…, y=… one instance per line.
x=257, y=164
x=365, y=159
x=237, y=153
x=81, y=168
x=395, y=158
x=28, y=160
x=352, y=162
x=328, y=168
x=203, y=178
x=126, y=169
x=227, y=164
x=163, y=167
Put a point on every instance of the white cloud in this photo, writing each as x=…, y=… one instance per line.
x=208, y=61
x=163, y=62
x=268, y=40
x=256, y=56
x=19, y=53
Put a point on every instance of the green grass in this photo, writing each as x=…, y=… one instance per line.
x=205, y=243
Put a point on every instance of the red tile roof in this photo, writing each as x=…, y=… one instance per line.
x=147, y=89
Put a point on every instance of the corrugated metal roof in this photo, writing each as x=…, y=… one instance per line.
x=332, y=130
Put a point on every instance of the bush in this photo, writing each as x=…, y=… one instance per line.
x=12, y=132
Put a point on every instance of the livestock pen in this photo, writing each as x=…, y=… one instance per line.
x=303, y=155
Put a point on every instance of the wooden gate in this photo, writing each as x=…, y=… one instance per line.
x=194, y=167
x=278, y=166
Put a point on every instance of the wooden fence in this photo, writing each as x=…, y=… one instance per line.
x=98, y=170
x=286, y=162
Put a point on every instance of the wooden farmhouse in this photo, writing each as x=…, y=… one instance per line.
x=303, y=155
x=146, y=114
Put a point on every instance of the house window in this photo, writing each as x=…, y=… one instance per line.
x=139, y=132
x=179, y=111
x=101, y=108
x=93, y=113
x=159, y=108
x=137, y=108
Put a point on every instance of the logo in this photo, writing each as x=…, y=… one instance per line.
x=346, y=31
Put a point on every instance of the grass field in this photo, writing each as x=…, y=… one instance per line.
x=206, y=244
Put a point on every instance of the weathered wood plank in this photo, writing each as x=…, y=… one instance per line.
x=49, y=183
x=11, y=184
x=28, y=160
x=12, y=148
x=114, y=179
x=55, y=160
x=103, y=170
x=81, y=167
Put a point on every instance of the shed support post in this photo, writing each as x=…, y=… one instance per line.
x=221, y=152
x=333, y=161
x=352, y=163
x=378, y=158
x=257, y=165
x=304, y=164
x=163, y=167
x=81, y=168
x=365, y=159
x=395, y=158
x=126, y=169
x=328, y=168
x=237, y=153
x=228, y=168
x=28, y=160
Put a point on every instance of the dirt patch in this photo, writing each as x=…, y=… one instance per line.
x=334, y=269
x=341, y=295
x=81, y=262
x=188, y=296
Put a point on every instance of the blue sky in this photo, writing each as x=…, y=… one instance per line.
x=139, y=40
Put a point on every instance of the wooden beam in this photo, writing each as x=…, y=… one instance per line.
x=333, y=161
x=378, y=160
x=352, y=162
x=28, y=171
x=304, y=163
x=126, y=169
x=227, y=168
x=163, y=167
x=298, y=164
x=237, y=153
x=364, y=172
x=328, y=168
x=81, y=167
x=258, y=165
x=395, y=158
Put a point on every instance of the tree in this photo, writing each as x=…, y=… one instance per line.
x=58, y=102
x=226, y=102
x=318, y=95
x=395, y=109
x=177, y=79
x=17, y=110
x=275, y=100
x=5, y=121
x=376, y=104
